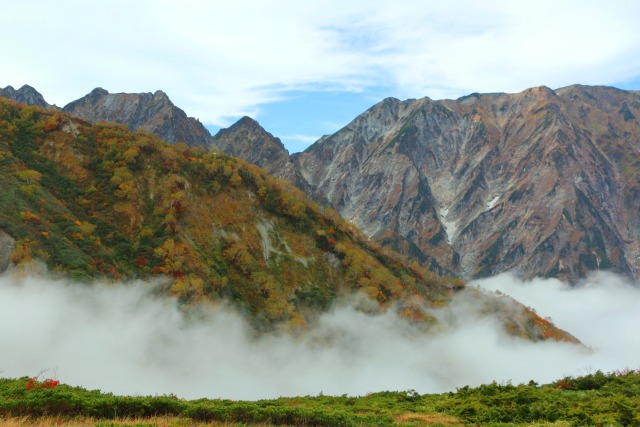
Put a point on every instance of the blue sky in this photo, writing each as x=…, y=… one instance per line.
x=301, y=117
x=304, y=69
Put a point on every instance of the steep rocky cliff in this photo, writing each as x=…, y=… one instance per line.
x=150, y=111
x=541, y=183
x=25, y=95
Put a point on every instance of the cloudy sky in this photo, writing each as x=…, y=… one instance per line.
x=304, y=69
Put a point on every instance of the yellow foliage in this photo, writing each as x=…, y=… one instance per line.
x=146, y=232
x=86, y=227
x=131, y=153
x=238, y=254
x=128, y=217
x=180, y=287
x=29, y=176
x=235, y=180
x=30, y=190
x=22, y=252
x=262, y=192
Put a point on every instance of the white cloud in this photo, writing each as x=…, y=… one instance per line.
x=127, y=340
x=603, y=311
x=220, y=60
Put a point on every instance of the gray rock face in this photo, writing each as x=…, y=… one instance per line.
x=7, y=244
x=540, y=182
x=265, y=150
x=25, y=95
x=248, y=140
x=150, y=111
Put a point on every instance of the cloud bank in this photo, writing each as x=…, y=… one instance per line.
x=127, y=339
x=220, y=61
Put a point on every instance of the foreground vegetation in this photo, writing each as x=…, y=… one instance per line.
x=594, y=399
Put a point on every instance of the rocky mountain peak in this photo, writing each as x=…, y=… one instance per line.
x=98, y=92
x=25, y=95
x=247, y=121
x=160, y=94
x=248, y=140
x=153, y=112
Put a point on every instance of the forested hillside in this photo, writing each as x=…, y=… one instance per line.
x=100, y=200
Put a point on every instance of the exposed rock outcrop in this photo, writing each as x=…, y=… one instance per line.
x=265, y=150
x=250, y=141
x=7, y=244
x=25, y=95
x=150, y=111
x=543, y=182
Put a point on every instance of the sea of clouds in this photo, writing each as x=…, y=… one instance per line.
x=129, y=339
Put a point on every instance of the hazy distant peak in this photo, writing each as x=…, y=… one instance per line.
x=25, y=95
x=99, y=92
x=159, y=94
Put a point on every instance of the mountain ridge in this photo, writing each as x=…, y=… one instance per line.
x=153, y=112
x=25, y=95
x=466, y=185
x=542, y=182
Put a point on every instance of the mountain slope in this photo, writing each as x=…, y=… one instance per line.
x=543, y=183
x=248, y=140
x=153, y=112
x=265, y=150
x=100, y=200
x=540, y=182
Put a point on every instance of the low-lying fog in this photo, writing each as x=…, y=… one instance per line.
x=125, y=340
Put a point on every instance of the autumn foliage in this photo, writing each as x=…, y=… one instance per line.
x=35, y=384
x=102, y=201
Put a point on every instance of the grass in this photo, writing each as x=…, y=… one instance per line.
x=120, y=422
x=594, y=399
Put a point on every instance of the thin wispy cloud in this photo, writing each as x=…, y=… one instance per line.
x=219, y=61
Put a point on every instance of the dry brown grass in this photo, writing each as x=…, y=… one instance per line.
x=432, y=419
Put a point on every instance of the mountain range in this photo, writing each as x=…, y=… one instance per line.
x=541, y=183
x=99, y=200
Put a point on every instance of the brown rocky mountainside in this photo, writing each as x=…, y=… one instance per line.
x=543, y=182
x=150, y=111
